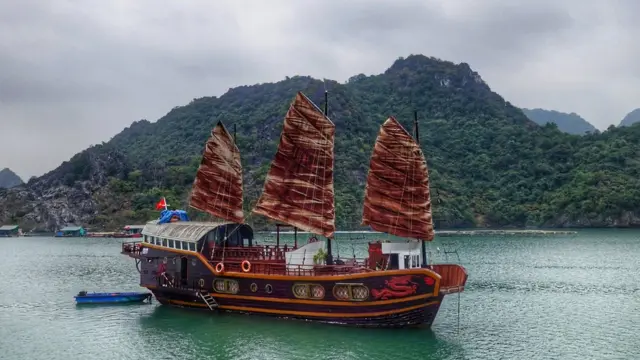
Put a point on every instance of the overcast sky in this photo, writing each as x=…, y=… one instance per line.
x=75, y=73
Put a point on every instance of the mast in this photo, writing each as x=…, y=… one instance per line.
x=217, y=188
x=298, y=189
x=235, y=140
x=329, y=259
x=397, y=199
x=423, y=246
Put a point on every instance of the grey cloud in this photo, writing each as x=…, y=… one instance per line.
x=74, y=73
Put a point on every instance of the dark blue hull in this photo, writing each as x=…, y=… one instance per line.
x=110, y=298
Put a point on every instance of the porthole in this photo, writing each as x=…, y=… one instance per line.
x=351, y=292
x=173, y=260
x=308, y=291
x=193, y=262
x=254, y=287
x=201, y=283
x=268, y=288
x=226, y=286
x=164, y=261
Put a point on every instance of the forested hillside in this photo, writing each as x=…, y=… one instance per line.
x=489, y=164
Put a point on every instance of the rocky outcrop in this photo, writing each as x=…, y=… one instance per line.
x=64, y=195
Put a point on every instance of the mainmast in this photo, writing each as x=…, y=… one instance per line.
x=417, y=138
x=298, y=189
x=329, y=259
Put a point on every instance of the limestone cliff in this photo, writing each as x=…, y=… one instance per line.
x=64, y=195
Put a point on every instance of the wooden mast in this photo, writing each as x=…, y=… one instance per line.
x=417, y=137
x=329, y=259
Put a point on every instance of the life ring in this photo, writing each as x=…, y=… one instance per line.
x=219, y=267
x=313, y=239
x=246, y=266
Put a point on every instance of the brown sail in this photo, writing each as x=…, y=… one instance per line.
x=217, y=188
x=298, y=189
x=397, y=199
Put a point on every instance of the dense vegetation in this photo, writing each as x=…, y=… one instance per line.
x=489, y=164
x=9, y=179
x=569, y=123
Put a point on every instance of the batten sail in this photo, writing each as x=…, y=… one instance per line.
x=397, y=199
x=298, y=189
x=217, y=188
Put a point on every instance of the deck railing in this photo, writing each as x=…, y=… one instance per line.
x=281, y=268
x=453, y=277
x=256, y=252
x=131, y=247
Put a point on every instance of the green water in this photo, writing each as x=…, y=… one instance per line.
x=561, y=297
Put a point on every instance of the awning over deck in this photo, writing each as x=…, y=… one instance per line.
x=189, y=231
x=71, y=228
x=9, y=228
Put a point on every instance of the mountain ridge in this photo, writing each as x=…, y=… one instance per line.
x=489, y=164
x=631, y=118
x=570, y=123
x=9, y=179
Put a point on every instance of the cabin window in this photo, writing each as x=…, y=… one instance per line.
x=192, y=246
x=407, y=263
x=145, y=239
x=170, y=243
x=185, y=245
x=164, y=242
x=415, y=262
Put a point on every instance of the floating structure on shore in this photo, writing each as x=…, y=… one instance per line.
x=71, y=231
x=471, y=232
x=504, y=232
x=9, y=231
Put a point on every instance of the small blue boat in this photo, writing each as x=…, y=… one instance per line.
x=84, y=297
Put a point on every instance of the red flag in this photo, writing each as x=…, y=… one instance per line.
x=161, y=204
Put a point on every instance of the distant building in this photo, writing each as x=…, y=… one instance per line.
x=9, y=230
x=133, y=230
x=71, y=231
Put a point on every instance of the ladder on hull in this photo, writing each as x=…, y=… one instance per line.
x=209, y=300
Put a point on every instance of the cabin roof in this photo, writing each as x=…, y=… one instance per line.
x=183, y=231
x=71, y=228
x=8, y=227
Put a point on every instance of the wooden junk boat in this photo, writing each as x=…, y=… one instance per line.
x=218, y=266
